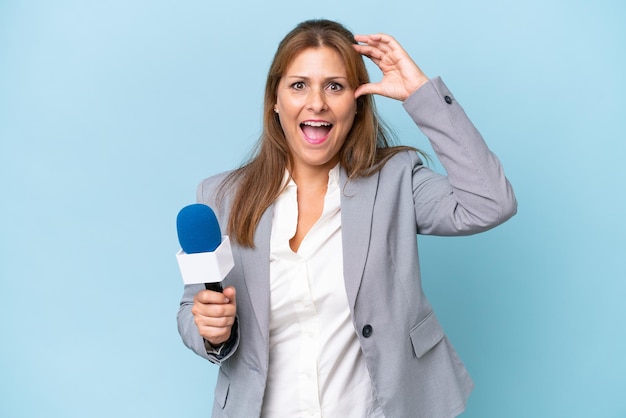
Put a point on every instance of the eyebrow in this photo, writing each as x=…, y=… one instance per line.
x=301, y=77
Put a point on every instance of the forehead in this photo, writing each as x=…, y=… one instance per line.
x=316, y=60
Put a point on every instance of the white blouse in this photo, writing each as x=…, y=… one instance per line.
x=316, y=367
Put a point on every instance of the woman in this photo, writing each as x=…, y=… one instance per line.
x=324, y=313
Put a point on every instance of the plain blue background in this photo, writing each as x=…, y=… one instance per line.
x=111, y=112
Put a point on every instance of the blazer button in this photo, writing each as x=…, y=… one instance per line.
x=367, y=331
x=448, y=99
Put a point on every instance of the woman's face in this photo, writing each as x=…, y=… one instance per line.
x=316, y=108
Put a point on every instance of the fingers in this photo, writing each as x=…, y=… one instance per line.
x=401, y=75
x=209, y=296
x=214, y=306
x=379, y=40
x=377, y=46
x=214, y=314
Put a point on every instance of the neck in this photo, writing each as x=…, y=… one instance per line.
x=311, y=177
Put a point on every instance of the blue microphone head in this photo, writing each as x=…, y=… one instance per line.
x=198, y=229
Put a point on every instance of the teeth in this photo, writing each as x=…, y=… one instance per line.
x=316, y=124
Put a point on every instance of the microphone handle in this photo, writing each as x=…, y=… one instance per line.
x=216, y=287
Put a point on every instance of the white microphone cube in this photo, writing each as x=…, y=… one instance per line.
x=210, y=267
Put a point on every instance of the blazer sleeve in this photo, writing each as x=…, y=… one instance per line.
x=186, y=325
x=475, y=195
x=191, y=337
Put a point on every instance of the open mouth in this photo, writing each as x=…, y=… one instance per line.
x=316, y=131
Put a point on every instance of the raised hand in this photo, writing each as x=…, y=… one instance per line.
x=401, y=76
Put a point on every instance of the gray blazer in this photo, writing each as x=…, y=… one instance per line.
x=414, y=369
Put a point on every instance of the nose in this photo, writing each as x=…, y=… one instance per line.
x=317, y=101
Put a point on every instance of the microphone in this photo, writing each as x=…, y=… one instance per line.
x=205, y=255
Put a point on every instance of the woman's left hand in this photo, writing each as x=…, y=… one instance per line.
x=401, y=76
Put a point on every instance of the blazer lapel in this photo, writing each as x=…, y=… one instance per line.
x=357, y=207
x=256, y=270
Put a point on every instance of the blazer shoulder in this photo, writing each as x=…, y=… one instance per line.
x=402, y=161
x=207, y=189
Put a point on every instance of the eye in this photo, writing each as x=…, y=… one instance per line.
x=334, y=86
x=298, y=85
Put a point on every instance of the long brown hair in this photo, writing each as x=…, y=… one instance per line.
x=365, y=151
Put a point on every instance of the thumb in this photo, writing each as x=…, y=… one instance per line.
x=230, y=293
x=369, y=88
